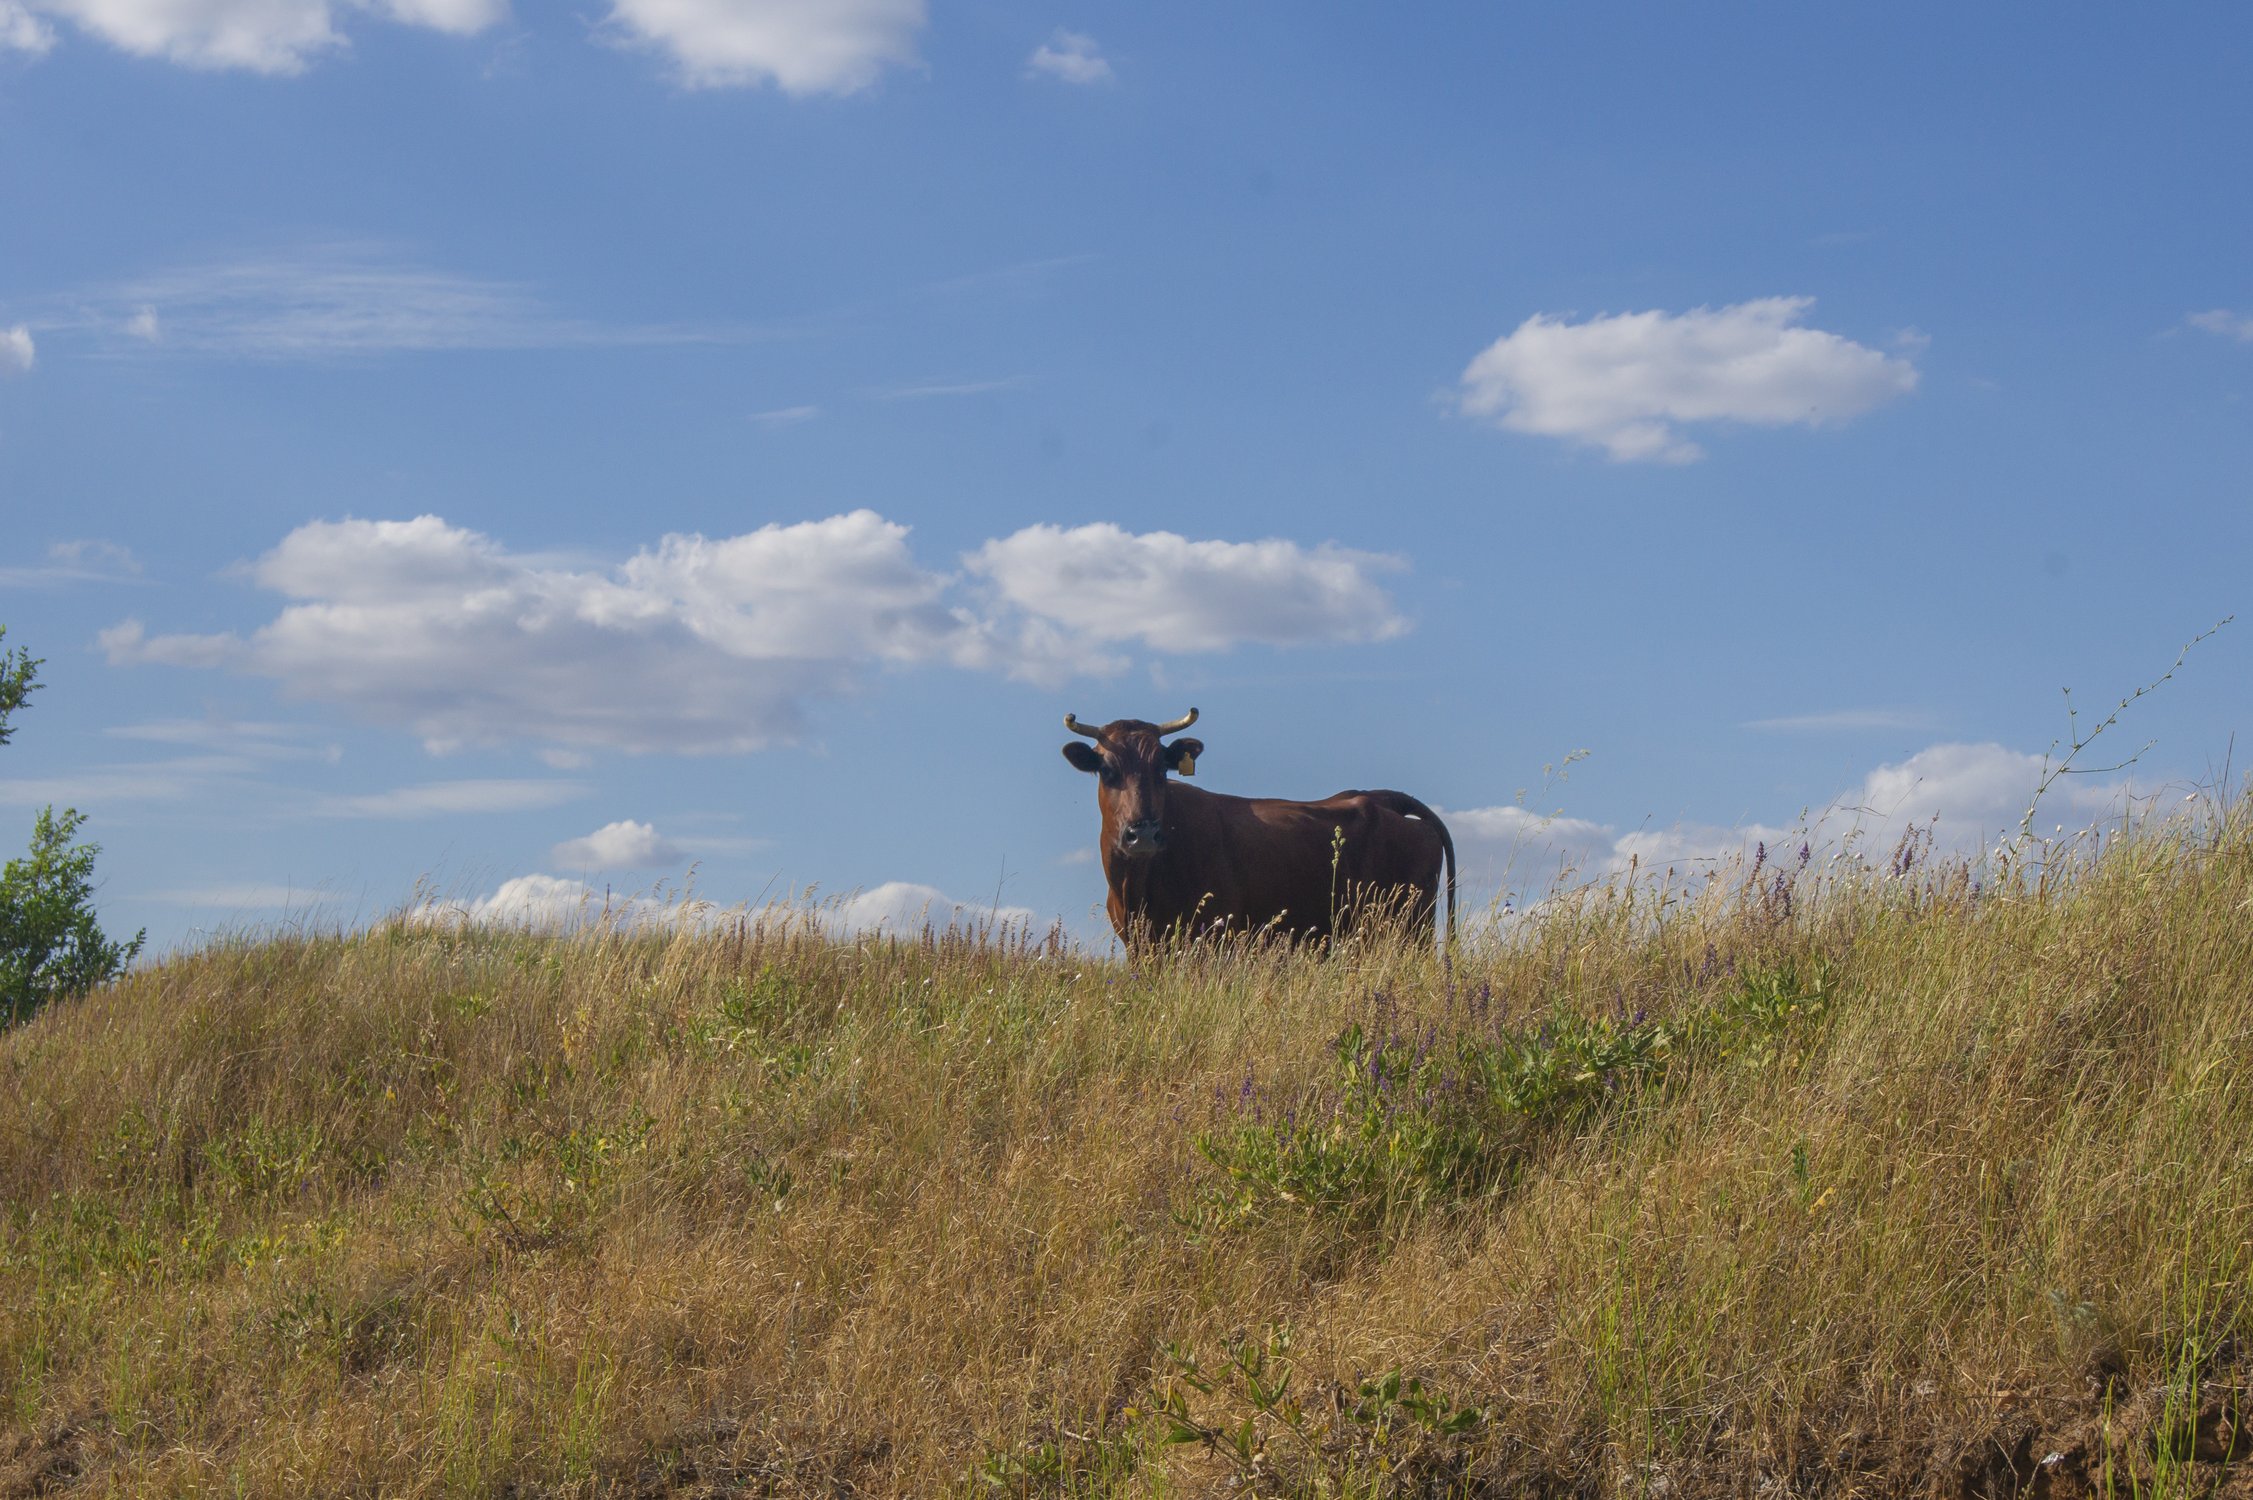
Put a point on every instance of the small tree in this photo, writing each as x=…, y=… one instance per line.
x=19, y=679
x=50, y=944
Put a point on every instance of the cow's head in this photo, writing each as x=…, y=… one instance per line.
x=1130, y=763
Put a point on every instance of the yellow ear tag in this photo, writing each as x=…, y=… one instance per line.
x=1187, y=765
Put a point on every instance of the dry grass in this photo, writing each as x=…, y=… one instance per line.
x=752, y=1211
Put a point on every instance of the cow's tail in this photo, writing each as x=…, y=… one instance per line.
x=1401, y=802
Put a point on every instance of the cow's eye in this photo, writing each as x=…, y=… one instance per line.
x=1110, y=776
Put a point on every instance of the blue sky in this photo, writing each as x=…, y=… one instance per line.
x=452, y=442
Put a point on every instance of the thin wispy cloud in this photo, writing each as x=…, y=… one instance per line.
x=2221, y=320
x=431, y=799
x=95, y=556
x=18, y=350
x=1844, y=719
x=254, y=740
x=721, y=844
x=1070, y=57
x=173, y=780
x=924, y=390
x=785, y=416
x=1015, y=273
x=80, y=561
x=214, y=757
x=348, y=300
x=245, y=896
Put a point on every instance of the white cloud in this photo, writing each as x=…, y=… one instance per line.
x=544, y=901
x=1071, y=56
x=557, y=903
x=700, y=645
x=1515, y=851
x=1967, y=798
x=21, y=31
x=786, y=416
x=624, y=845
x=144, y=326
x=2228, y=324
x=696, y=645
x=17, y=351
x=459, y=17
x=263, y=36
x=1979, y=793
x=432, y=799
x=1515, y=823
x=1695, y=844
x=1174, y=594
x=800, y=46
x=129, y=640
x=902, y=908
x=843, y=588
x=1623, y=382
x=552, y=903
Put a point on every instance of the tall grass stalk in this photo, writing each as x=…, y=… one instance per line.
x=1859, y=1180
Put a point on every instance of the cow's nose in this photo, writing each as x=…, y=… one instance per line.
x=1142, y=837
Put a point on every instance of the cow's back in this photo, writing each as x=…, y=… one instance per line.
x=1252, y=863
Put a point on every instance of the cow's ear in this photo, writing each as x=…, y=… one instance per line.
x=1182, y=755
x=1083, y=756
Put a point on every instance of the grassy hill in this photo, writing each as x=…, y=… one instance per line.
x=1816, y=1180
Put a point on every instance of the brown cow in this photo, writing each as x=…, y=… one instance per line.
x=1180, y=860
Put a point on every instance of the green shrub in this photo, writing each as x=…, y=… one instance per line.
x=1408, y=1119
x=50, y=944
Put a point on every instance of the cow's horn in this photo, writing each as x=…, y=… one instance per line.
x=1179, y=724
x=1071, y=722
